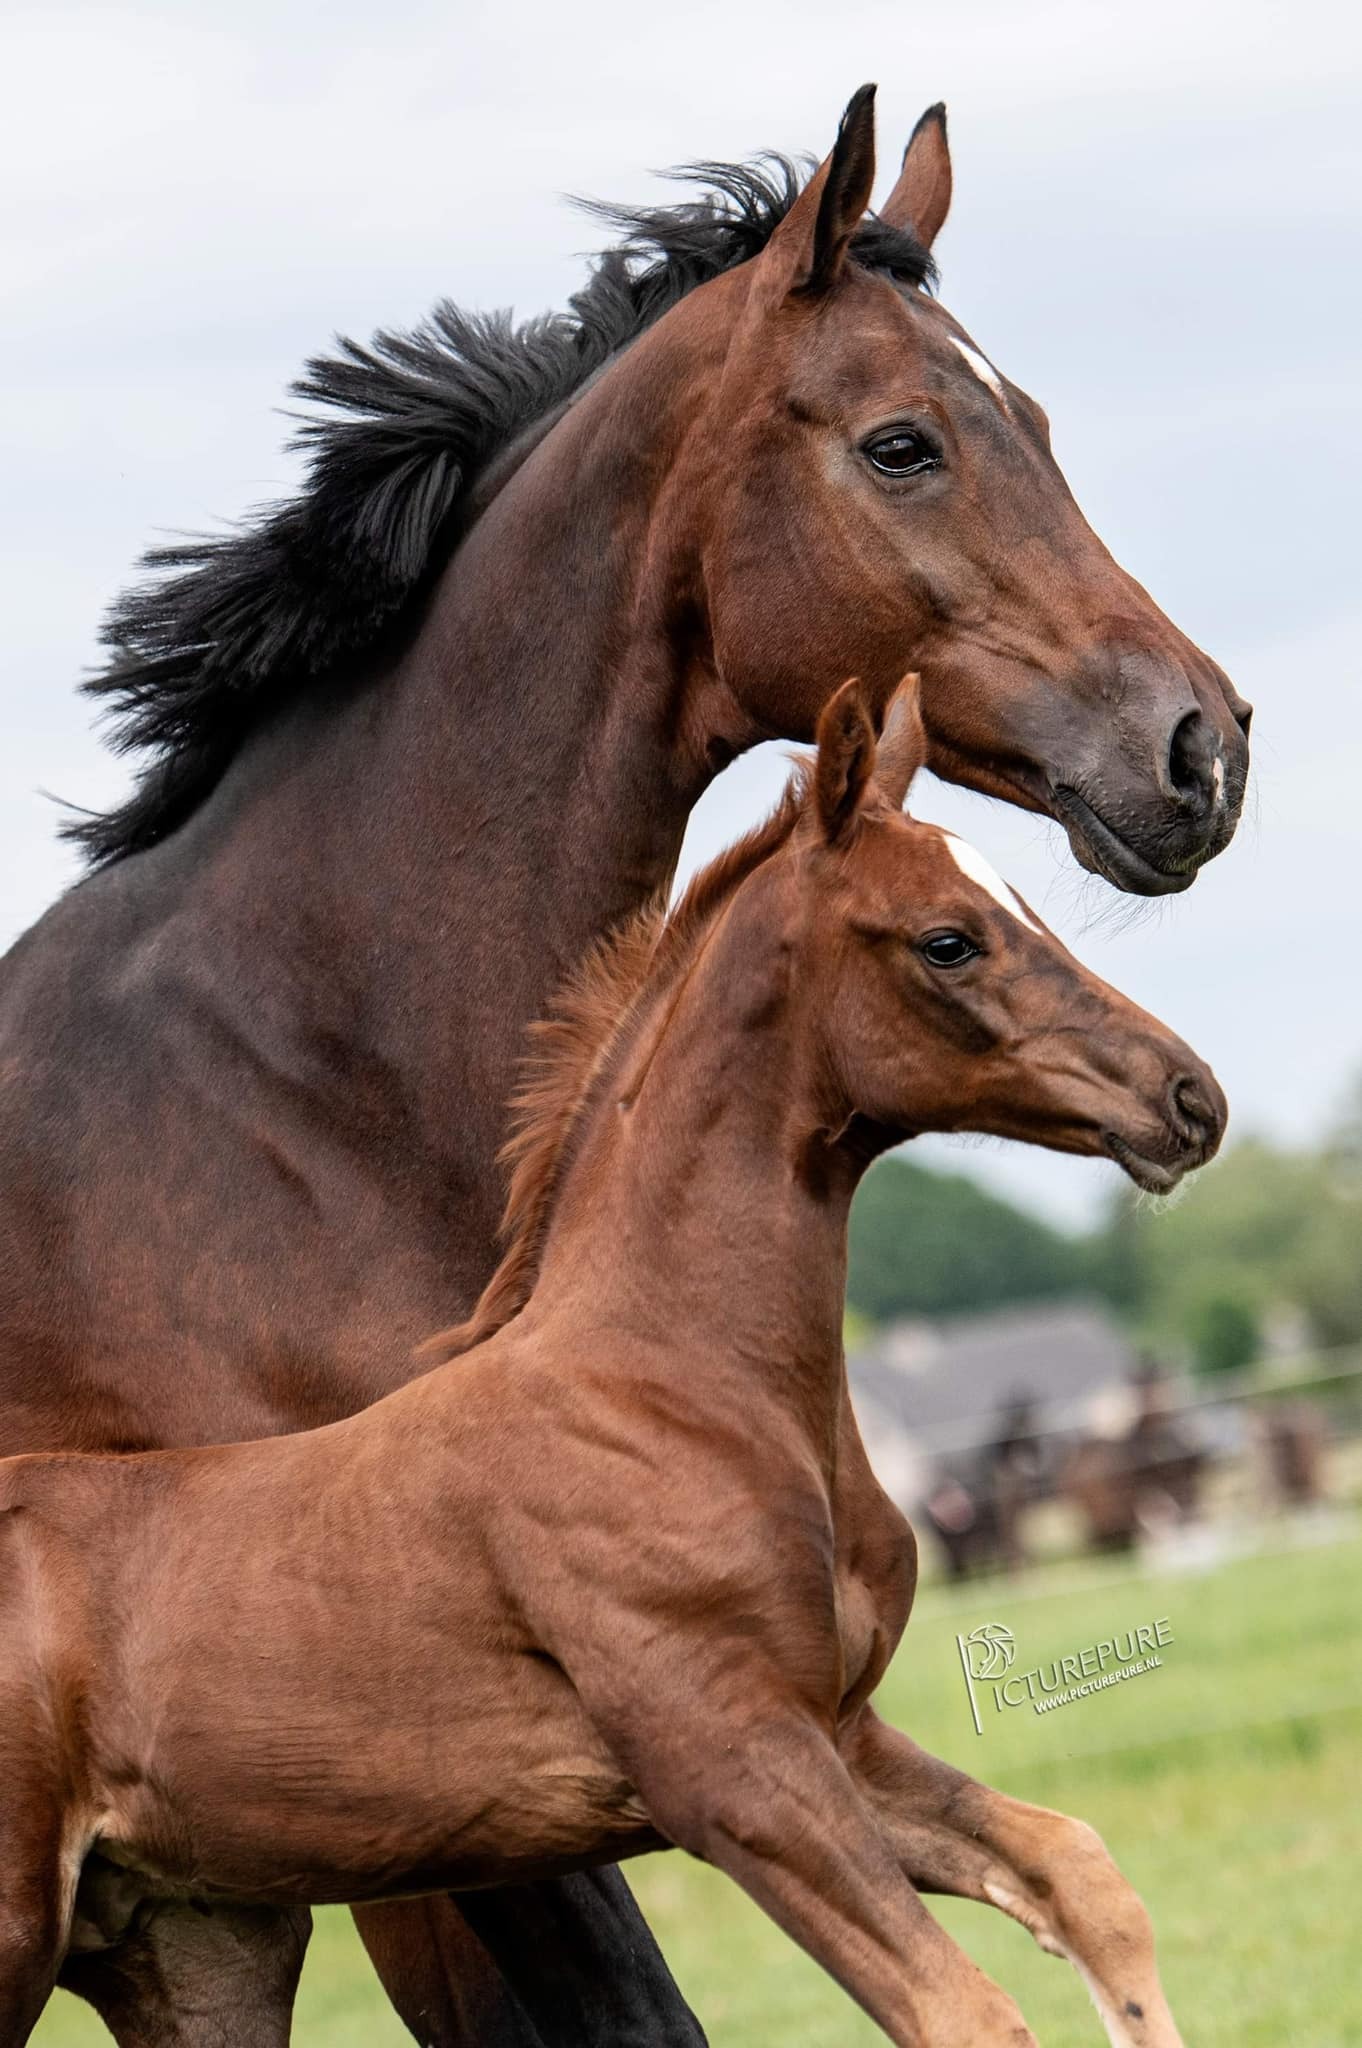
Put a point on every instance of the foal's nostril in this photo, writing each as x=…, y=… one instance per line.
x=1192, y=1107
x=1193, y=760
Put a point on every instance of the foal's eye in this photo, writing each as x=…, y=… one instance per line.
x=948, y=949
x=904, y=452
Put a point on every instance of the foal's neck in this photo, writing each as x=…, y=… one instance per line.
x=706, y=1210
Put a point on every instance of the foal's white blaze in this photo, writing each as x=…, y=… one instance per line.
x=971, y=862
x=983, y=369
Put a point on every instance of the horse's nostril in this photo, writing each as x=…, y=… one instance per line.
x=1193, y=757
x=1243, y=717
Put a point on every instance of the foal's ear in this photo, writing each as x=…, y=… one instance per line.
x=808, y=249
x=845, y=762
x=921, y=199
x=903, y=743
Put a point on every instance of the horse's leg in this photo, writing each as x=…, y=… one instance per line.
x=774, y=1806
x=185, y=1978
x=443, y=1984
x=585, y=1962
x=952, y=1834
x=557, y=1964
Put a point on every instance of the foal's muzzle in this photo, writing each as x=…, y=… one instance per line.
x=1193, y=1123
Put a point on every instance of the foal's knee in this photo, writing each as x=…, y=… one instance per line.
x=1086, y=1889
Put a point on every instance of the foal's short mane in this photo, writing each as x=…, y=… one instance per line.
x=577, y=1046
x=230, y=628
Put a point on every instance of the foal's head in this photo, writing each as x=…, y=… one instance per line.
x=876, y=496
x=938, y=1000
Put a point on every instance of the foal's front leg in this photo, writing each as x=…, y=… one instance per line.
x=952, y=1834
x=775, y=1807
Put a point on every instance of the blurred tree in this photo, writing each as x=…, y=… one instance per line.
x=1223, y=1334
x=1328, y=1285
x=1344, y=1146
x=931, y=1244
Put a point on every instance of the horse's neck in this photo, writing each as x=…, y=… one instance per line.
x=401, y=875
x=707, y=1209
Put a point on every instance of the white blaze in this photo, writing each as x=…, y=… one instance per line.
x=971, y=862
x=983, y=369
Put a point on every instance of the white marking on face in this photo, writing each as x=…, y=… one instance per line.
x=982, y=368
x=1218, y=777
x=972, y=864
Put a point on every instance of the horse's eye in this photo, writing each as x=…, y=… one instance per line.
x=948, y=949
x=905, y=452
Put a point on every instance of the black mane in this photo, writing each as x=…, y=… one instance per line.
x=231, y=627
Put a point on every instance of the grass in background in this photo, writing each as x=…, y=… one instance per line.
x=1226, y=1785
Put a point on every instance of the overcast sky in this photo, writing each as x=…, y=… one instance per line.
x=1156, y=231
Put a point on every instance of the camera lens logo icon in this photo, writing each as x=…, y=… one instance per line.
x=990, y=1649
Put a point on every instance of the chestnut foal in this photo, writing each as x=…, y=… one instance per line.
x=620, y=1576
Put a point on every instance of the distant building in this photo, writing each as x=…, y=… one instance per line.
x=929, y=1395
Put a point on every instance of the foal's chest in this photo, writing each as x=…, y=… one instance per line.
x=876, y=1576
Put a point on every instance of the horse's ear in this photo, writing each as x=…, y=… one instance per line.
x=903, y=743
x=921, y=199
x=808, y=249
x=845, y=762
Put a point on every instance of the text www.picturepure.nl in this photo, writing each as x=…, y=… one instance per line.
x=1081, y=1692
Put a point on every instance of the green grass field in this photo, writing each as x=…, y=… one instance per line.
x=1227, y=1785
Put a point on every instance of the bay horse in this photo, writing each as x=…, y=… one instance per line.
x=411, y=742
x=615, y=1574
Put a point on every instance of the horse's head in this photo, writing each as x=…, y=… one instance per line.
x=944, y=1004
x=878, y=496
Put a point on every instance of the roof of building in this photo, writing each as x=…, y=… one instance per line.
x=945, y=1383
